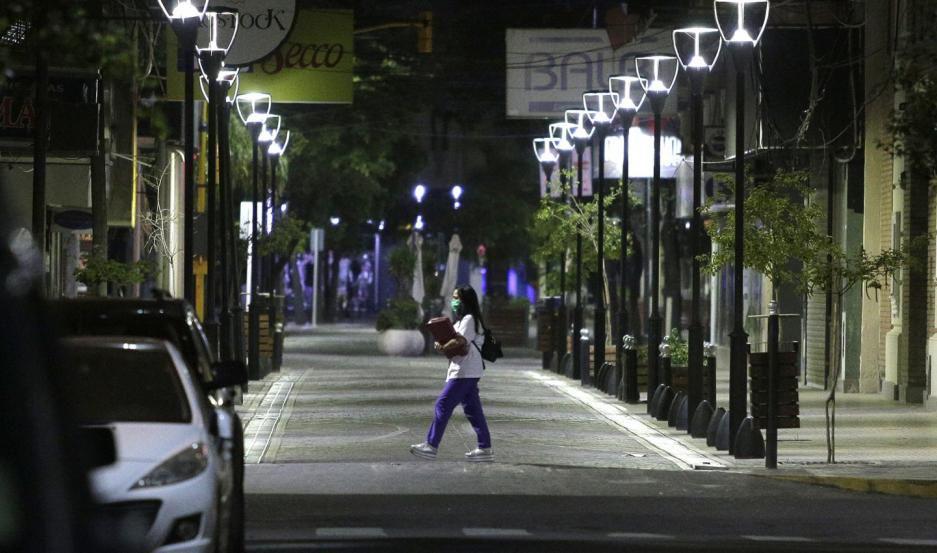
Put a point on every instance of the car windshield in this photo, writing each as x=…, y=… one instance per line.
x=123, y=385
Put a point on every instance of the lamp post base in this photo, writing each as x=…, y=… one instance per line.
x=738, y=383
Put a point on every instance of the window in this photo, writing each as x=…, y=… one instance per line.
x=106, y=384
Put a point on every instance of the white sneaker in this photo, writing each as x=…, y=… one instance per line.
x=480, y=455
x=423, y=450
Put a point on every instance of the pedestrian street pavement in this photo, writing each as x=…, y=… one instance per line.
x=341, y=408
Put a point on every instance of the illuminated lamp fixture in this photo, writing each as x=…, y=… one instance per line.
x=546, y=154
x=213, y=44
x=268, y=133
x=741, y=21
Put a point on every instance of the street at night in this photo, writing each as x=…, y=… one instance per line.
x=441, y=276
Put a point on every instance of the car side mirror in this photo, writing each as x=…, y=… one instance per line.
x=100, y=449
x=227, y=374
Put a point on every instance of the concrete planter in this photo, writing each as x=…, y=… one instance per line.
x=401, y=343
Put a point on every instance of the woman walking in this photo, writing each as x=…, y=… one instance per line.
x=465, y=369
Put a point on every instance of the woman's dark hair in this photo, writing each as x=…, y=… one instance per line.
x=470, y=306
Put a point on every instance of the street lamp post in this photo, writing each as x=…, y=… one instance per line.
x=601, y=110
x=741, y=24
x=184, y=19
x=275, y=152
x=258, y=104
x=268, y=135
x=211, y=60
x=697, y=49
x=580, y=131
x=231, y=343
x=630, y=92
x=559, y=135
x=658, y=74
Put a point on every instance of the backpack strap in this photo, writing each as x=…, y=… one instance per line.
x=480, y=355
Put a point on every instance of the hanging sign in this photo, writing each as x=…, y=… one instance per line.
x=262, y=26
x=313, y=65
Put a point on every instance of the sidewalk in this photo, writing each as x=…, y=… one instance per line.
x=881, y=445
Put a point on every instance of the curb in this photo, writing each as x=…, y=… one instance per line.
x=901, y=487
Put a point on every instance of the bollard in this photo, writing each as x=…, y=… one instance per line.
x=714, y=423
x=682, y=421
x=709, y=353
x=673, y=411
x=584, y=369
x=699, y=422
x=664, y=394
x=630, y=384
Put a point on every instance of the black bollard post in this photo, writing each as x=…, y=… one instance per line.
x=771, y=429
x=584, y=342
x=699, y=422
x=630, y=384
x=663, y=396
x=709, y=353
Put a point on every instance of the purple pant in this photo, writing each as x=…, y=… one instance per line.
x=456, y=391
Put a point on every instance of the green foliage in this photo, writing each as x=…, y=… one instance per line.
x=287, y=237
x=401, y=262
x=778, y=228
x=911, y=124
x=556, y=225
x=73, y=34
x=679, y=351
x=402, y=313
x=98, y=270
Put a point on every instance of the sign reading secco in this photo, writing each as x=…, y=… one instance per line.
x=314, y=64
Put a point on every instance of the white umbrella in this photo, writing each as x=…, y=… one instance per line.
x=452, y=273
x=417, y=292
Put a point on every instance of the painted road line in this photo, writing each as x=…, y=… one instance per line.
x=799, y=539
x=350, y=532
x=260, y=429
x=673, y=450
x=494, y=532
x=639, y=536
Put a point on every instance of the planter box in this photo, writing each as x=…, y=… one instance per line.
x=509, y=325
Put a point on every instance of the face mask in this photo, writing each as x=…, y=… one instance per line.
x=456, y=306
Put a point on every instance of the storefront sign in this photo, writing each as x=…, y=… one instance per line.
x=72, y=112
x=313, y=65
x=262, y=26
x=549, y=69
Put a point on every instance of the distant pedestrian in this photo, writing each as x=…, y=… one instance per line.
x=465, y=370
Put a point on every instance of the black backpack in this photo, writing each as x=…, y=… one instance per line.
x=491, y=349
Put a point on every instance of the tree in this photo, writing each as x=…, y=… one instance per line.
x=780, y=229
x=556, y=226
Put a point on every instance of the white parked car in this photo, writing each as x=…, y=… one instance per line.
x=171, y=483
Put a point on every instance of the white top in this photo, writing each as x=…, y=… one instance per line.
x=469, y=365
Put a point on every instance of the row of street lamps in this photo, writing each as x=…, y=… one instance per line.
x=740, y=24
x=220, y=86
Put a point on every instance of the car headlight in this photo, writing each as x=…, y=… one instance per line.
x=188, y=463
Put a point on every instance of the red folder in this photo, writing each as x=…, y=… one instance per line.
x=441, y=328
